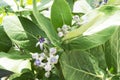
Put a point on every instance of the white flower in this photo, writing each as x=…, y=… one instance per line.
x=41, y=42
x=85, y=19
x=48, y=67
x=53, y=51
x=53, y=59
x=37, y=62
x=60, y=34
x=42, y=55
x=47, y=74
x=42, y=64
x=35, y=56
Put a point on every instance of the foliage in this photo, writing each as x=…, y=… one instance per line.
x=60, y=39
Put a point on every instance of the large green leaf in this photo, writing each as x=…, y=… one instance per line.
x=22, y=32
x=112, y=50
x=80, y=65
x=60, y=14
x=99, y=54
x=45, y=25
x=101, y=25
x=5, y=42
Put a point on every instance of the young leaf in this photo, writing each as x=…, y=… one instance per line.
x=5, y=42
x=22, y=32
x=60, y=14
x=45, y=25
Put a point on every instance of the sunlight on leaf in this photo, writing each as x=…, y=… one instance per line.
x=14, y=65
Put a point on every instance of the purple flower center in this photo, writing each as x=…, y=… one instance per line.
x=53, y=60
x=41, y=40
x=37, y=62
x=105, y=1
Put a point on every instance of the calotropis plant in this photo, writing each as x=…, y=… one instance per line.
x=79, y=40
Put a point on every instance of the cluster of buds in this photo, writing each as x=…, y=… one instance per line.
x=79, y=21
x=63, y=31
x=76, y=20
x=46, y=59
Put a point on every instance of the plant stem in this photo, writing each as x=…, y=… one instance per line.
x=21, y=3
x=59, y=71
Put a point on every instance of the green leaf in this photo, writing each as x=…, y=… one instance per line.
x=46, y=25
x=15, y=55
x=78, y=65
x=71, y=3
x=61, y=14
x=112, y=50
x=31, y=28
x=99, y=54
x=99, y=28
x=5, y=42
x=4, y=73
x=22, y=32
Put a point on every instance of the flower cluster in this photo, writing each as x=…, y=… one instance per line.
x=63, y=31
x=46, y=59
x=76, y=22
